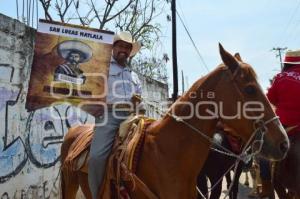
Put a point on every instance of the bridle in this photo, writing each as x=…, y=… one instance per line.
x=257, y=137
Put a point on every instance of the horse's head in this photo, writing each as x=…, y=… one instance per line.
x=244, y=107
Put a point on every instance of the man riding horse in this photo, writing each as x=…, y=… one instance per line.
x=123, y=86
x=168, y=161
x=285, y=96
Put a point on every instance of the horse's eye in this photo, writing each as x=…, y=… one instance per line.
x=250, y=90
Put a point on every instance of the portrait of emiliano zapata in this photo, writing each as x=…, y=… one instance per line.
x=74, y=54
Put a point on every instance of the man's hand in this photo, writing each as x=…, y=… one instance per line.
x=136, y=101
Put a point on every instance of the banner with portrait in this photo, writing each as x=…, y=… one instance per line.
x=70, y=65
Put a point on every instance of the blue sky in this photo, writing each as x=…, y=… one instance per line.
x=250, y=27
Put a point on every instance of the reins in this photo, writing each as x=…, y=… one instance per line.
x=243, y=156
x=259, y=126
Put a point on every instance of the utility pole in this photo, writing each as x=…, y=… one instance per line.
x=174, y=52
x=182, y=81
x=187, y=82
x=279, y=54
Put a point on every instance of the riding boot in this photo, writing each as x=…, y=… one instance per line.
x=266, y=190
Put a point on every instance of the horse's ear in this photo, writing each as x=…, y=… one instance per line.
x=238, y=57
x=228, y=59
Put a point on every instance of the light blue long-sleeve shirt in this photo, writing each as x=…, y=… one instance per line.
x=122, y=84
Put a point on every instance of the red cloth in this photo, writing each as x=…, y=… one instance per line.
x=235, y=144
x=284, y=94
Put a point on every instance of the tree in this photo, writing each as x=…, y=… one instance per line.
x=151, y=67
x=85, y=12
x=136, y=16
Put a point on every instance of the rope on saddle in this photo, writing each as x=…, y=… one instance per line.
x=127, y=159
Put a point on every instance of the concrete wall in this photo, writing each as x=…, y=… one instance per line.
x=30, y=141
x=155, y=95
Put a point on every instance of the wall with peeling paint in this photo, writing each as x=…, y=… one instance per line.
x=30, y=141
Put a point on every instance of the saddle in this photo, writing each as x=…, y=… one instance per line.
x=122, y=162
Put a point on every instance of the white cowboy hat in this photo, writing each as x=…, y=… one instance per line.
x=127, y=37
x=292, y=57
x=65, y=47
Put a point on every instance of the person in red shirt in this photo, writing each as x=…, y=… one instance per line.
x=284, y=92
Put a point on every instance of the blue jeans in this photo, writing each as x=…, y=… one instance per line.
x=101, y=147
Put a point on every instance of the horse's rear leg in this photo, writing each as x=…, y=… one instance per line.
x=69, y=185
x=84, y=185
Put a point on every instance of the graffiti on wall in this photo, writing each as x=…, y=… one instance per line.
x=34, y=136
x=44, y=190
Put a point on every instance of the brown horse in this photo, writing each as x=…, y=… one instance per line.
x=287, y=171
x=170, y=160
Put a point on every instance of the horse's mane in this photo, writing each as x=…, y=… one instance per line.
x=248, y=70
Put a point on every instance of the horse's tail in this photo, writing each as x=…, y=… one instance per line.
x=68, y=177
x=65, y=182
x=62, y=169
x=64, y=178
x=69, y=183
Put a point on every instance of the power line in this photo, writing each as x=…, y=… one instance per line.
x=188, y=33
x=283, y=39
